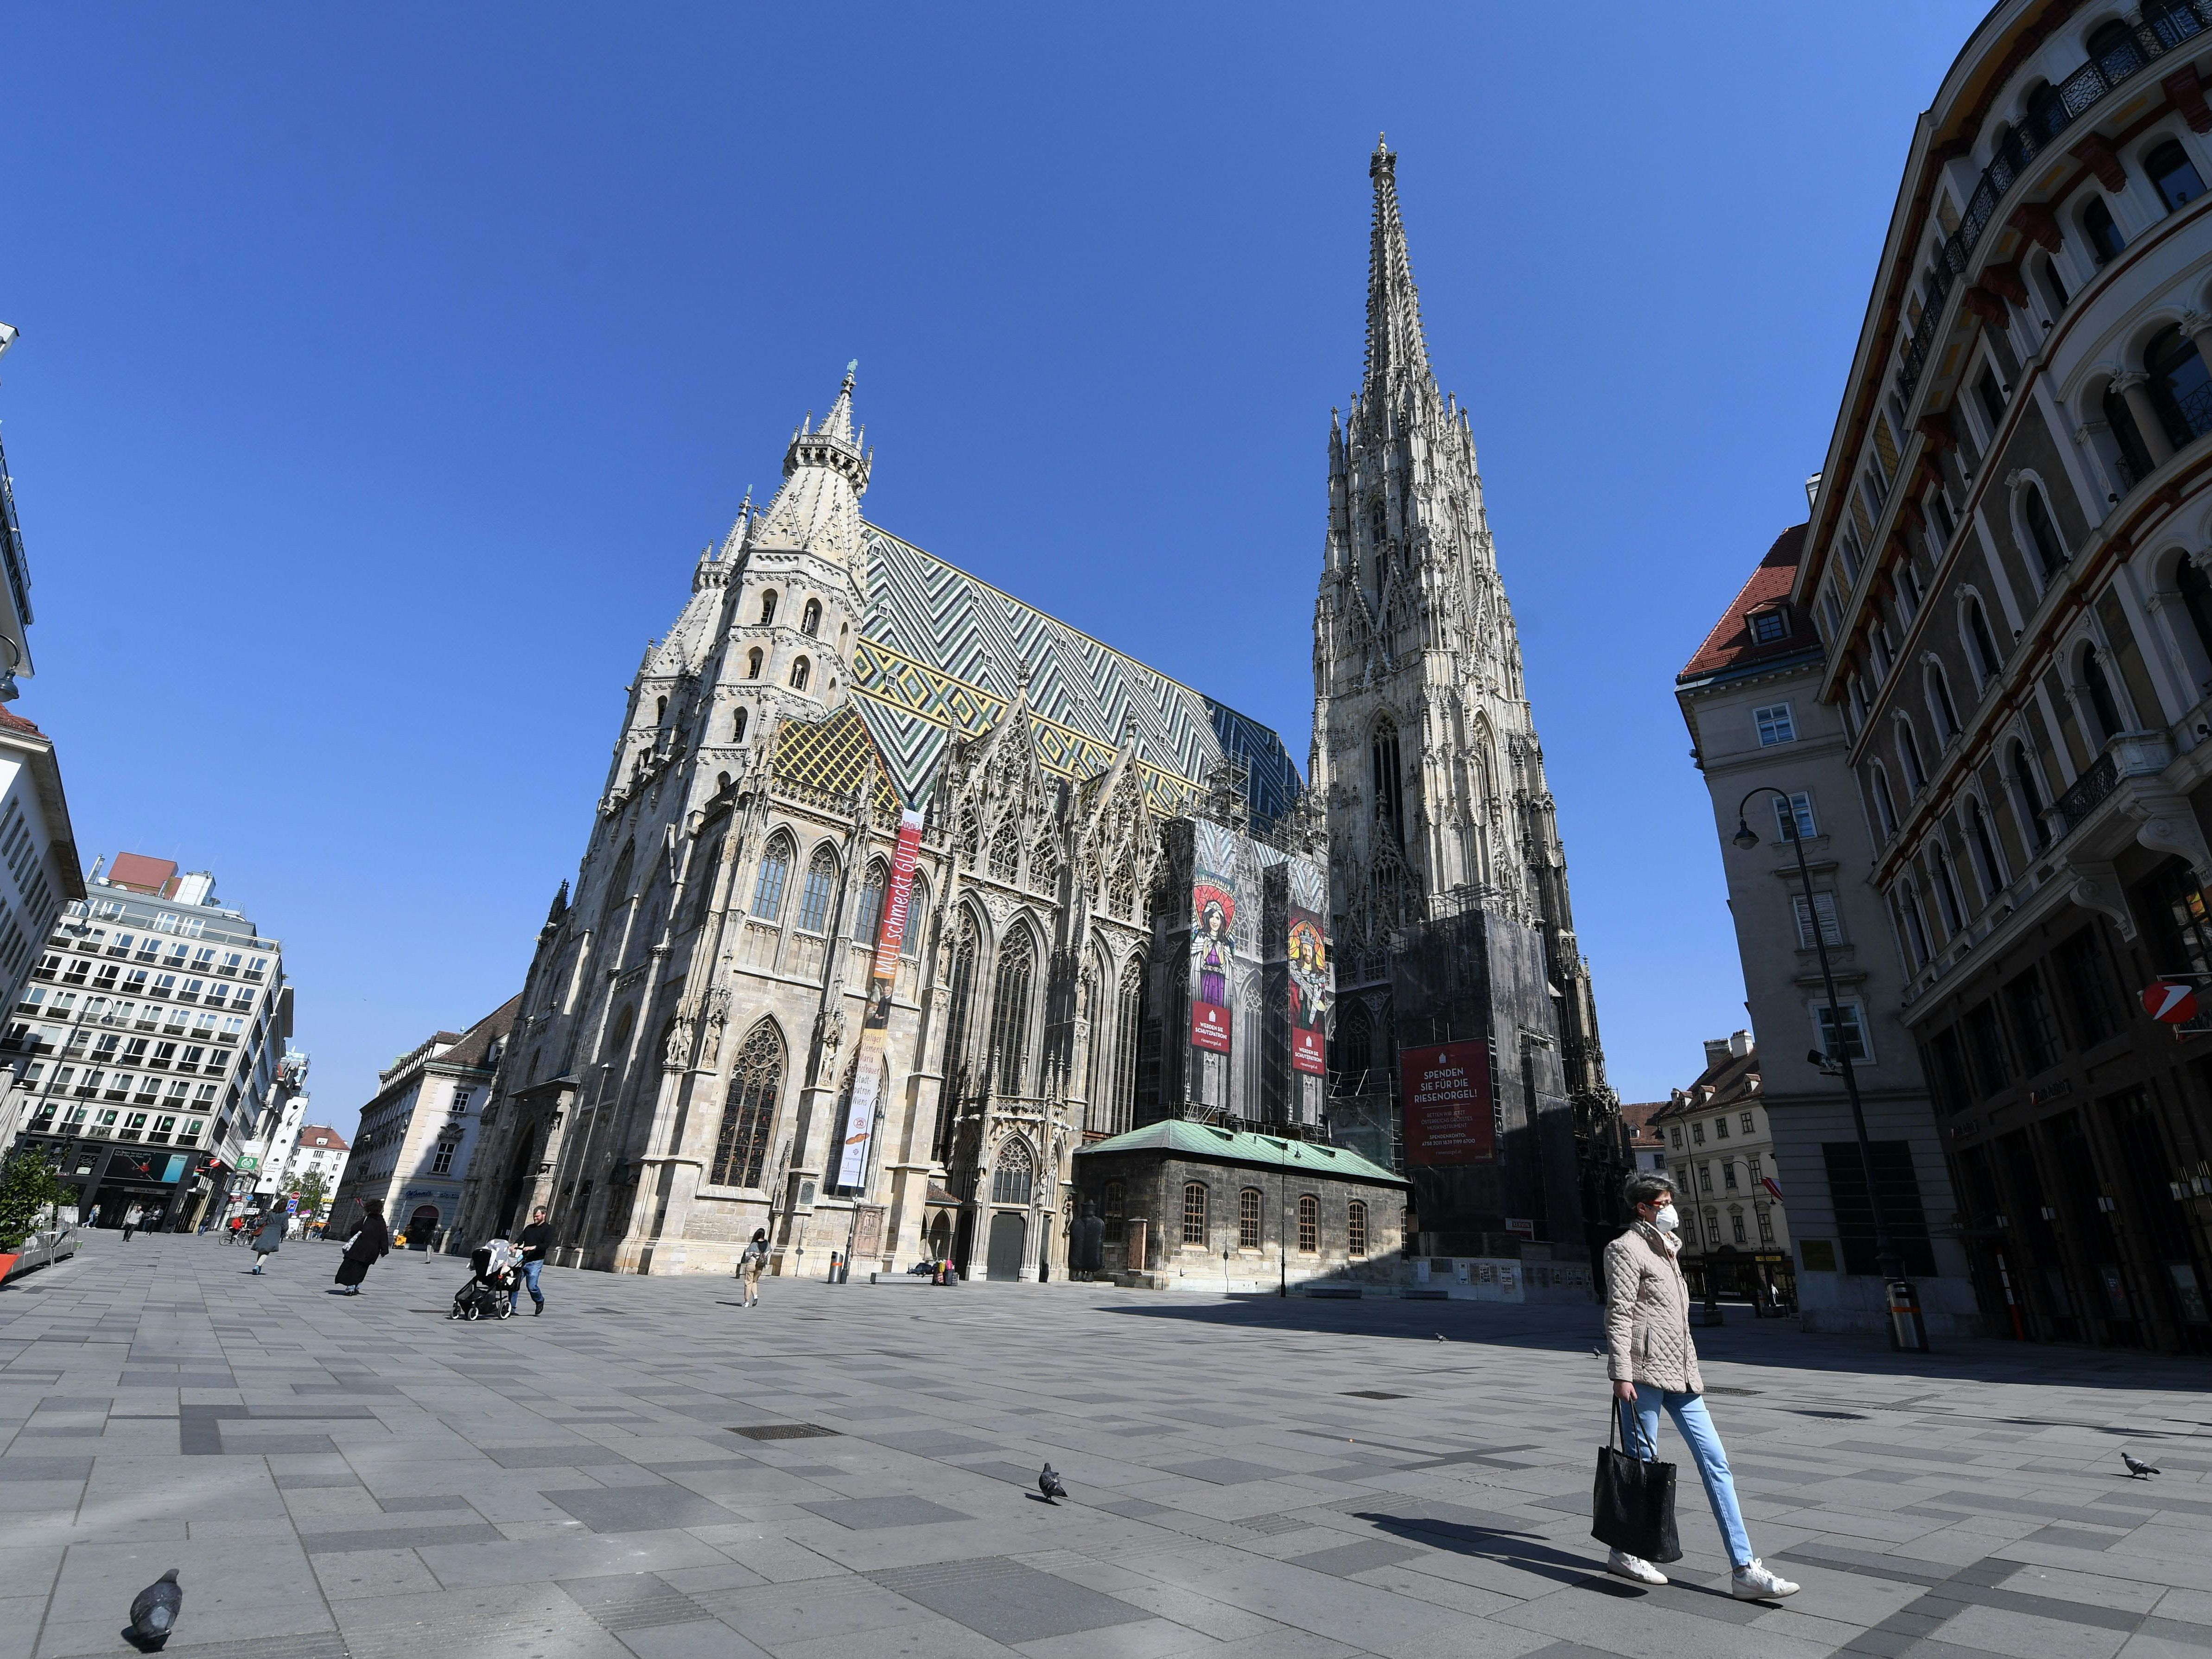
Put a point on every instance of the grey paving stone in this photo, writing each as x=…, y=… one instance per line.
x=578, y=1455
x=1226, y=1471
x=1007, y=1601
x=869, y=1514
x=1363, y=1557
x=641, y=1509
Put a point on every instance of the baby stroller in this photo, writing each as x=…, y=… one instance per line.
x=490, y=1294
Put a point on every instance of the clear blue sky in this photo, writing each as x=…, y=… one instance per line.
x=383, y=369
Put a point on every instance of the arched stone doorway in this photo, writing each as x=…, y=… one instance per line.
x=422, y=1226
x=1003, y=1259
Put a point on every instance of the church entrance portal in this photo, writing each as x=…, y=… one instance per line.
x=1005, y=1257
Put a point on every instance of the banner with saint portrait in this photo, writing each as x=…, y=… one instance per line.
x=1214, y=971
x=1312, y=978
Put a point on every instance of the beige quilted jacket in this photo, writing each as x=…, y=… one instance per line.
x=1647, y=1315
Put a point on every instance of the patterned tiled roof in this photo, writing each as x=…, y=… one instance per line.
x=942, y=654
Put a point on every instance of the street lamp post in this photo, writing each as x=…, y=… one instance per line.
x=1907, y=1330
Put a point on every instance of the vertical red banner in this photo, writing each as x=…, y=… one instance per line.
x=890, y=935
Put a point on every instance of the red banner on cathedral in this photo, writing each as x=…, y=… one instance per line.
x=898, y=898
x=1449, y=1115
x=1209, y=1027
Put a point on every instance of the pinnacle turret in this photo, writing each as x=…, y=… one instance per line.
x=825, y=473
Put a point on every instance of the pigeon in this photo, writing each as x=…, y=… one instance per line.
x=1048, y=1483
x=154, y=1612
x=2141, y=1470
x=1440, y=1336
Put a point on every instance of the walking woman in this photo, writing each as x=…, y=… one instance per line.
x=1653, y=1362
x=371, y=1240
x=267, y=1236
x=750, y=1265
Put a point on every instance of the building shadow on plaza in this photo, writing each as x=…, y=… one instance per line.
x=1743, y=1340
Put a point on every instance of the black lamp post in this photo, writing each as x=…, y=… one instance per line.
x=1907, y=1330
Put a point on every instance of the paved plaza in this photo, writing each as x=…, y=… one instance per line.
x=649, y=1470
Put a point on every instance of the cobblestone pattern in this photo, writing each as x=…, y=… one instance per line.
x=357, y=1478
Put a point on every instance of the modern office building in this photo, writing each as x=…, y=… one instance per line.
x=417, y=1137
x=147, y=1042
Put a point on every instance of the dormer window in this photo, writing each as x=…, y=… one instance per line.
x=1768, y=626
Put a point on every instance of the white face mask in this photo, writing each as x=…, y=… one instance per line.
x=1667, y=1220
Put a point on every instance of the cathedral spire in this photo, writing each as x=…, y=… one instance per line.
x=825, y=472
x=1397, y=355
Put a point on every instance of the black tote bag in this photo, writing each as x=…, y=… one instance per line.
x=1632, y=1503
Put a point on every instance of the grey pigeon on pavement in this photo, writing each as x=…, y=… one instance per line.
x=2141, y=1470
x=1048, y=1483
x=154, y=1612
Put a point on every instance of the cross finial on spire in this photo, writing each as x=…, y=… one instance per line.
x=852, y=372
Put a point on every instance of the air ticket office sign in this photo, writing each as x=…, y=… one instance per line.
x=1451, y=1108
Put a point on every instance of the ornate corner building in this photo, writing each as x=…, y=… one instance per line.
x=900, y=891
x=1448, y=880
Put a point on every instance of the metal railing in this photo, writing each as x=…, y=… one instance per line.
x=2089, y=791
x=2186, y=417
x=2152, y=33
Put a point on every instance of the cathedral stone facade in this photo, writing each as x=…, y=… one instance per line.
x=1449, y=884
x=899, y=891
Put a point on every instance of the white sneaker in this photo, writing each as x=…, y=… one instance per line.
x=1624, y=1565
x=1755, y=1584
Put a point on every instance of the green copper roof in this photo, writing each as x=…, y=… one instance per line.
x=1235, y=1147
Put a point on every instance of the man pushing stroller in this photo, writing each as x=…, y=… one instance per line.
x=494, y=1270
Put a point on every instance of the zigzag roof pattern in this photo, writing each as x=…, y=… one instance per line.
x=942, y=654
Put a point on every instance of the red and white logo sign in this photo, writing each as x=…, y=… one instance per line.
x=2173, y=1003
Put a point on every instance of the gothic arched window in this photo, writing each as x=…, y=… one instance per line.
x=748, y=1110
x=959, y=1012
x=1044, y=863
x=1354, y=1049
x=917, y=915
x=1006, y=850
x=1389, y=789
x=617, y=1043
x=870, y=917
x=1010, y=1008
x=970, y=841
x=619, y=884
x=798, y=673
x=703, y=862
x=821, y=887
x=737, y=726
x=660, y=711
x=768, y=607
x=1014, y=1178
x=775, y=875
x=753, y=663
x=1129, y=1025
x=1122, y=891
x=809, y=620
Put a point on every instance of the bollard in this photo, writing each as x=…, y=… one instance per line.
x=1908, y=1327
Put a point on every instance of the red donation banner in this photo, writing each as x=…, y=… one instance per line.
x=1209, y=1027
x=898, y=898
x=1449, y=1116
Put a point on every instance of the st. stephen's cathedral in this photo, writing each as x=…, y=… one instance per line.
x=901, y=894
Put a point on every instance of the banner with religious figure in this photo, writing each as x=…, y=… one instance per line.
x=1312, y=976
x=1213, y=974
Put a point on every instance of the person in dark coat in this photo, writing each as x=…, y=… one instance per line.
x=267, y=1236
x=371, y=1240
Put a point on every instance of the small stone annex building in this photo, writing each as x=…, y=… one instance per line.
x=1201, y=1205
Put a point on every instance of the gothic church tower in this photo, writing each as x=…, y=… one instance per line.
x=1426, y=751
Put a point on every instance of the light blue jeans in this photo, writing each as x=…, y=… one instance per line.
x=1639, y=1432
x=529, y=1282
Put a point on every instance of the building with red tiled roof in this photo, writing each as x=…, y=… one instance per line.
x=1774, y=760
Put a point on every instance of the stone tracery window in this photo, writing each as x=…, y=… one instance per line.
x=1006, y=850
x=959, y=1012
x=821, y=887
x=1010, y=1009
x=1044, y=863
x=870, y=921
x=749, y=1109
x=1014, y=1176
x=775, y=875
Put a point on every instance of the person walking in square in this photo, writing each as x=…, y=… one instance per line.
x=750, y=1265
x=371, y=1242
x=267, y=1236
x=1653, y=1362
x=131, y=1220
x=536, y=1238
